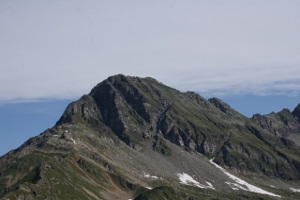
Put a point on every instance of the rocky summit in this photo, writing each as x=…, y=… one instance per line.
x=136, y=138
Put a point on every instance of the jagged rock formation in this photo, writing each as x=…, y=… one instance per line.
x=106, y=144
x=284, y=124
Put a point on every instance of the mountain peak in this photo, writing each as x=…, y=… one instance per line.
x=131, y=134
x=284, y=124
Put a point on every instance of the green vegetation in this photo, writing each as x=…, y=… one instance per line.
x=162, y=192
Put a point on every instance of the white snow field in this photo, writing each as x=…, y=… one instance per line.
x=241, y=184
x=188, y=180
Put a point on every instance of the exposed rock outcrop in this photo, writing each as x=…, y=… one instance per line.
x=283, y=124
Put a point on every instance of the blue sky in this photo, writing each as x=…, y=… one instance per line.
x=52, y=52
x=21, y=121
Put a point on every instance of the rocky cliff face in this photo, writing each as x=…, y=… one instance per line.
x=284, y=124
x=130, y=132
x=135, y=109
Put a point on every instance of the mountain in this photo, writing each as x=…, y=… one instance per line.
x=284, y=124
x=136, y=138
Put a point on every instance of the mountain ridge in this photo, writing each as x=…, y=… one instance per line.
x=135, y=133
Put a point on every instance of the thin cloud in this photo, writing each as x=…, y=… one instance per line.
x=61, y=49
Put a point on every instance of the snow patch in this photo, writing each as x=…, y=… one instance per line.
x=295, y=190
x=188, y=180
x=55, y=135
x=241, y=184
x=149, y=176
x=73, y=140
x=234, y=186
x=149, y=188
x=209, y=185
